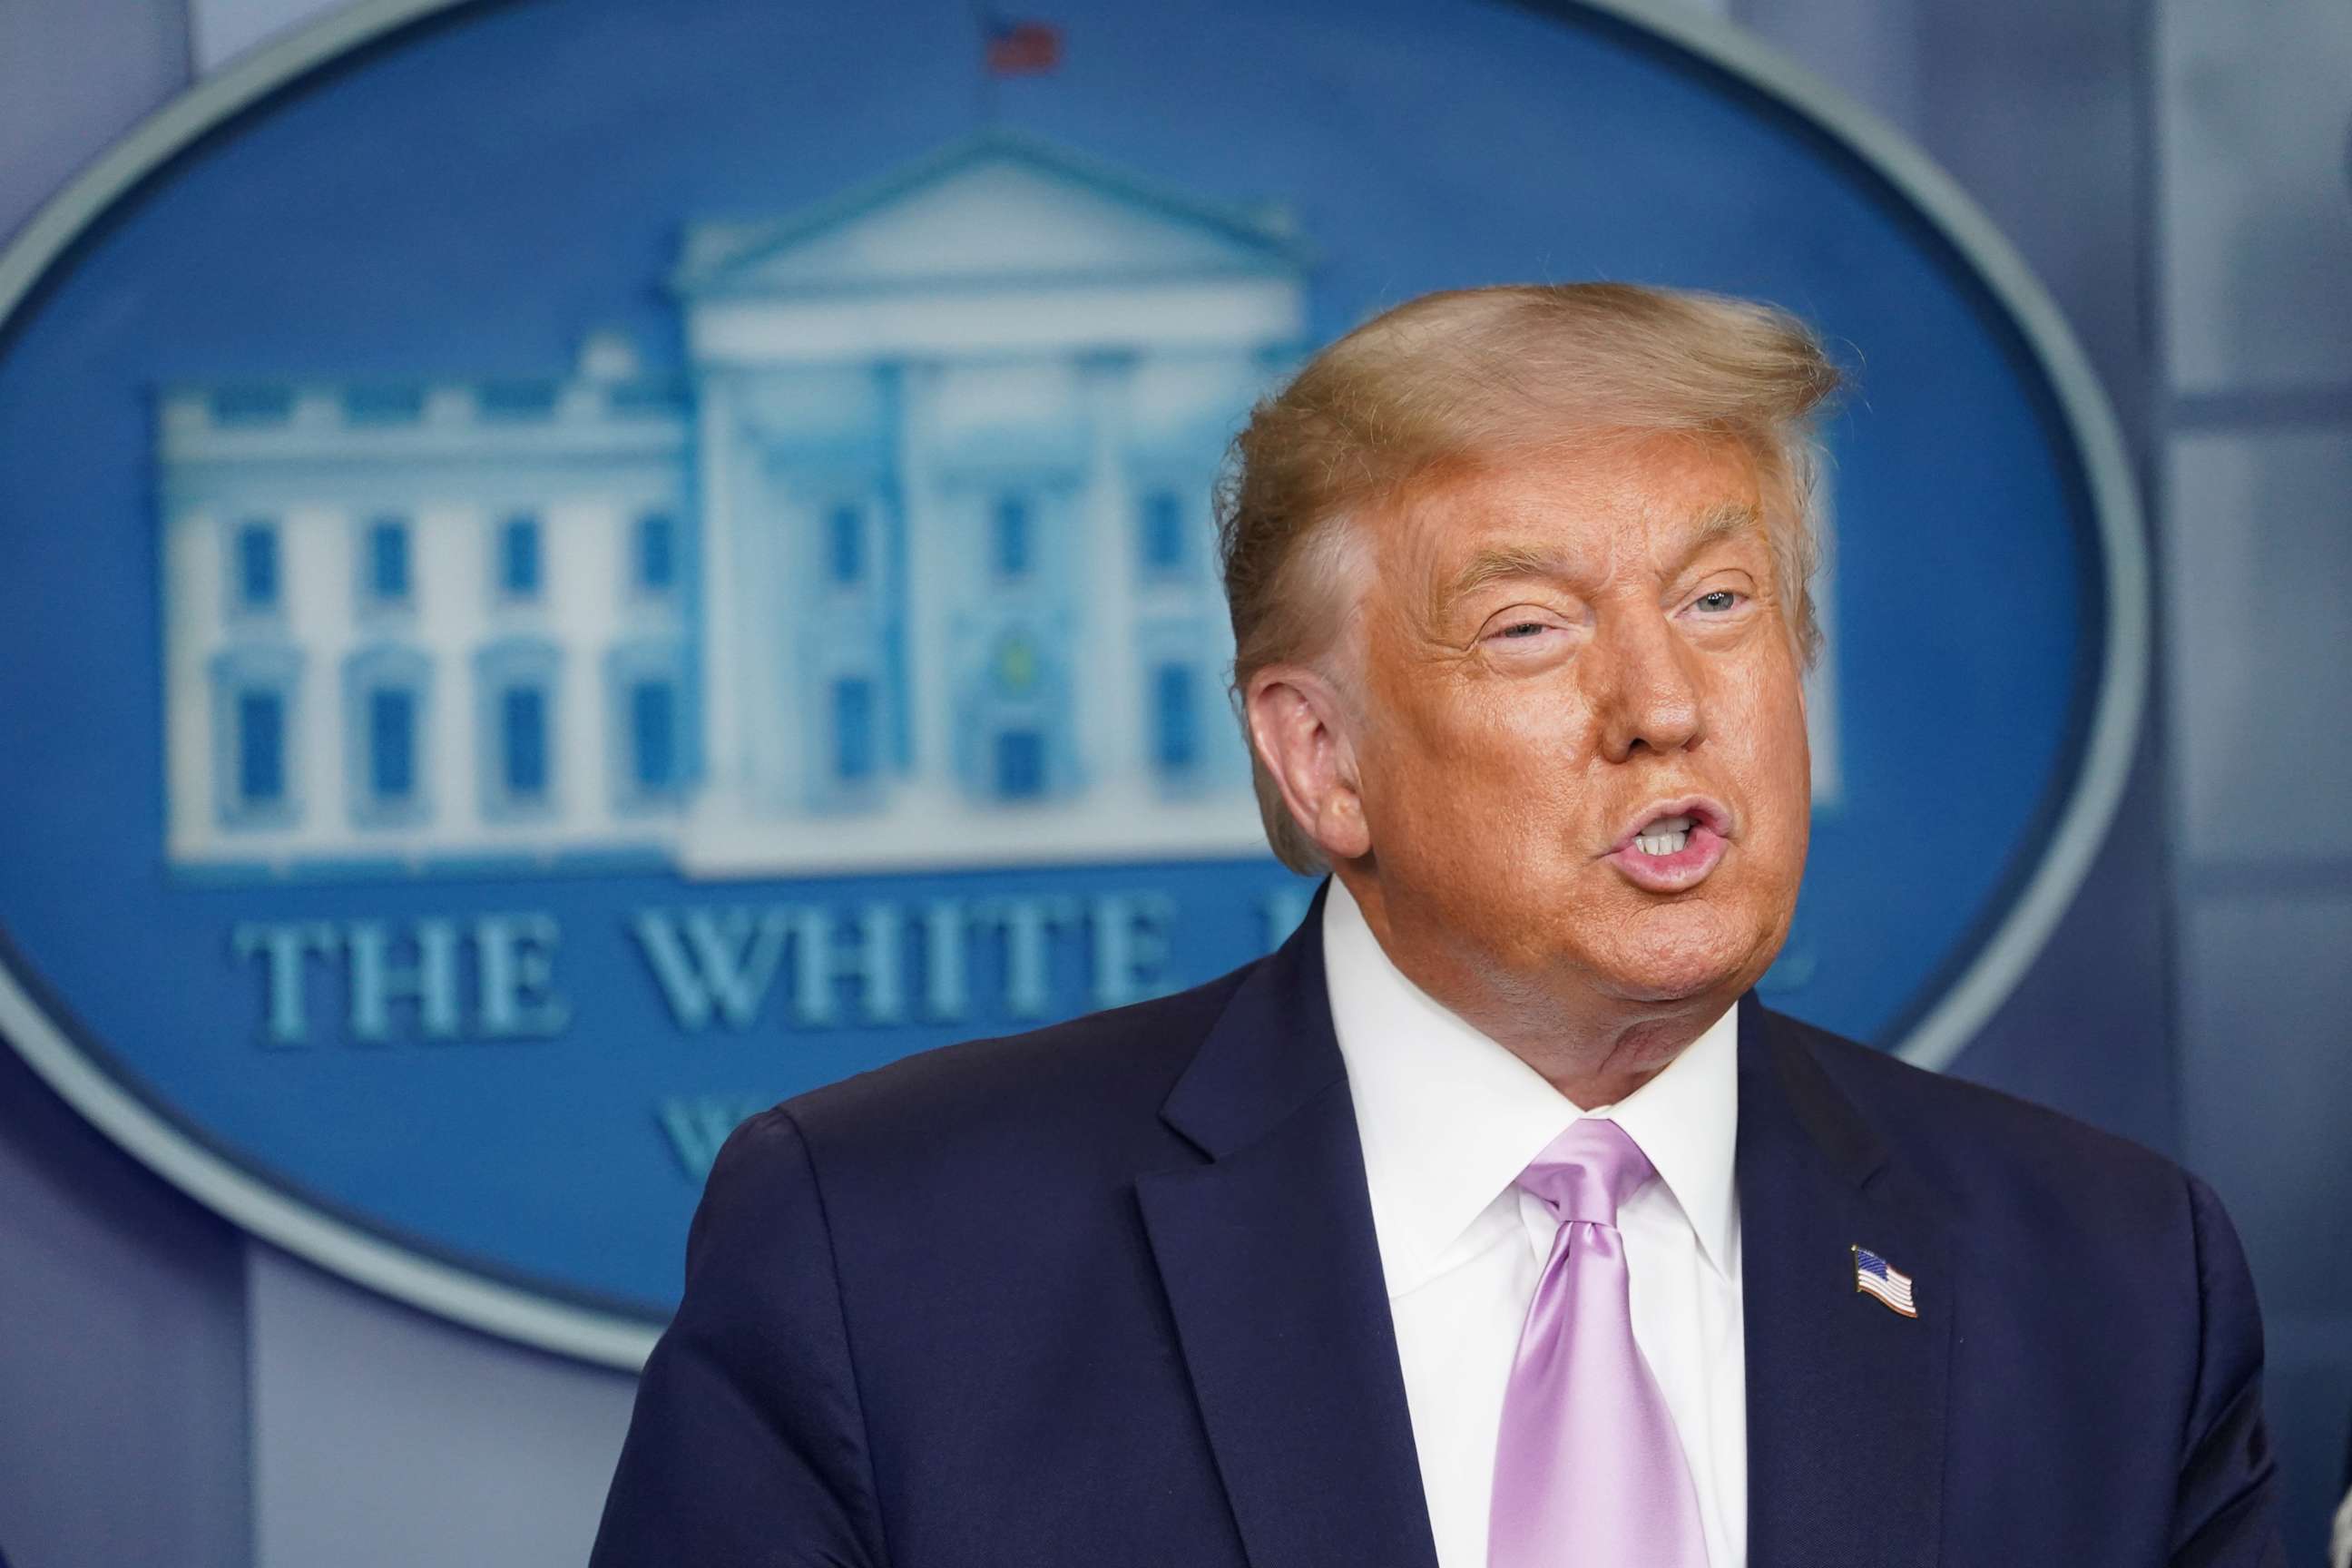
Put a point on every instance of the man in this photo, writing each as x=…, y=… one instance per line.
x=1490, y=1222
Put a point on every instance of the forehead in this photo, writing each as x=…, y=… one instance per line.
x=1592, y=502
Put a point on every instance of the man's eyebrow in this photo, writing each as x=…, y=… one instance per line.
x=1724, y=521
x=1498, y=562
x=1721, y=522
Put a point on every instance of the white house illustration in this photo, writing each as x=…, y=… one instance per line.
x=913, y=566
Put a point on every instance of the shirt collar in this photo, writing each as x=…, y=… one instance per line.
x=1449, y=1118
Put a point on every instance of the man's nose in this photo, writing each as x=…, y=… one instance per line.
x=1651, y=697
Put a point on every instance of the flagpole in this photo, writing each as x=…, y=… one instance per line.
x=984, y=95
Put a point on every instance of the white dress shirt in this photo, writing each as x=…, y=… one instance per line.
x=1449, y=1119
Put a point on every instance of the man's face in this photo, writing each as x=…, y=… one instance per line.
x=1581, y=756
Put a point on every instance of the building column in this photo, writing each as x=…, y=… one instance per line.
x=1109, y=680
x=717, y=585
x=934, y=555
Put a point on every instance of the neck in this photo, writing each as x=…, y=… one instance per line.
x=1593, y=1045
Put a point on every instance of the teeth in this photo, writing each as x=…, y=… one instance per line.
x=1668, y=835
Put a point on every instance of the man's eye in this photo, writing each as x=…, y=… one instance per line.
x=1717, y=601
x=1523, y=629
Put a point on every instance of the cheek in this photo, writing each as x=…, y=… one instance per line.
x=1456, y=784
x=1778, y=758
x=1512, y=767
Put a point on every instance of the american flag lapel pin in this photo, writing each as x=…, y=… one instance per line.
x=1873, y=1276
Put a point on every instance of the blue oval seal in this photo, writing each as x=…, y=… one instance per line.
x=574, y=568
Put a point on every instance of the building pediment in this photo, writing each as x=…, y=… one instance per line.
x=996, y=209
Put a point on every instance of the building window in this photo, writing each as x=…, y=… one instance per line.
x=522, y=743
x=386, y=564
x=649, y=756
x=515, y=686
x=252, y=404
x=1175, y=741
x=515, y=399
x=383, y=405
x=1011, y=536
x=519, y=557
x=392, y=745
x=260, y=749
x=853, y=730
x=253, y=714
x=385, y=733
x=844, y=534
x=1019, y=764
x=656, y=553
x=653, y=736
x=255, y=566
x=1163, y=534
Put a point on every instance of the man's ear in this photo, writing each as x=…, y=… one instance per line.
x=1300, y=728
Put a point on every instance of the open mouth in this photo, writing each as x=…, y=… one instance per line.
x=1675, y=848
x=1666, y=835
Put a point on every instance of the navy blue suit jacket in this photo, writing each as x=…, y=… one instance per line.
x=1107, y=1295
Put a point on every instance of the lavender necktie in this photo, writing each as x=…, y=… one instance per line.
x=1588, y=1471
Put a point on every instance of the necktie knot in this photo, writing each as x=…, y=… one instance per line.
x=1588, y=1171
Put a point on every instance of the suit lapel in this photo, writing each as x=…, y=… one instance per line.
x=1273, y=1276
x=1846, y=1398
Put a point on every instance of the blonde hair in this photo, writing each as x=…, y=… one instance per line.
x=1452, y=380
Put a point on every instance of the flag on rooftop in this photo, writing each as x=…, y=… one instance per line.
x=1022, y=47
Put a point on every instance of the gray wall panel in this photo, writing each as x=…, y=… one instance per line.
x=2040, y=112
x=2259, y=537
x=2266, y=1066
x=385, y=1438
x=2266, y=1061
x=1869, y=52
x=2257, y=138
x=2306, y=1394
x=122, y=1413
x=122, y=1418
x=74, y=75
x=221, y=30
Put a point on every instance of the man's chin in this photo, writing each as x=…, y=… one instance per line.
x=1666, y=987
x=1688, y=951
x=1666, y=975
